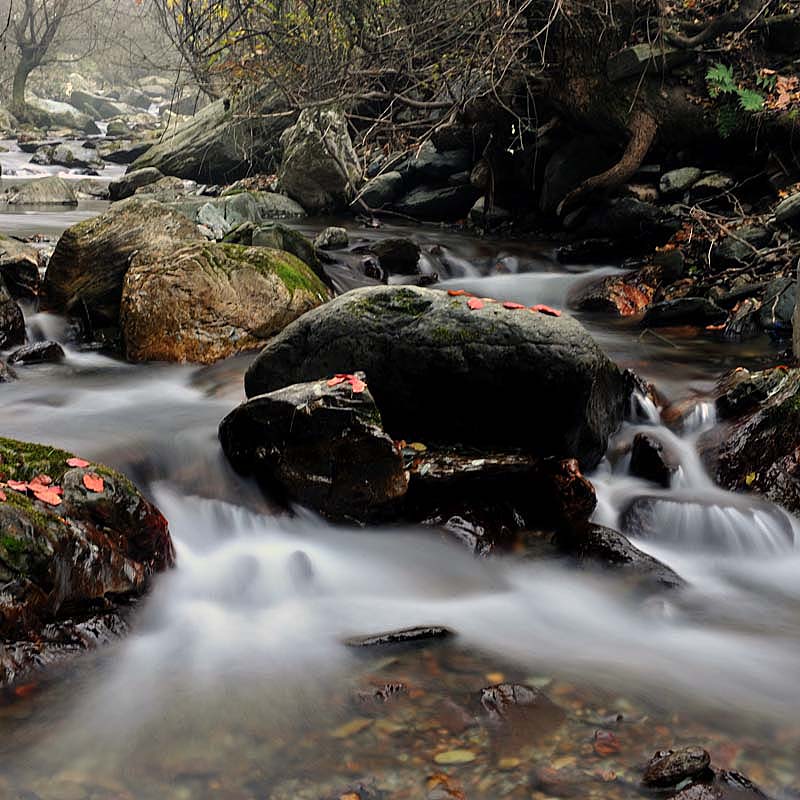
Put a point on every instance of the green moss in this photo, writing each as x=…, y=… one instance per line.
x=401, y=301
x=22, y=461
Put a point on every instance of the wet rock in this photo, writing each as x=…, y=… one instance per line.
x=434, y=204
x=127, y=185
x=222, y=142
x=563, y=494
x=71, y=554
x=595, y=545
x=695, y=311
x=679, y=181
x=67, y=155
x=319, y=168
x=568, y=167
x=788, y=210
x=398, y=256
x=6, y=373
x=321, y=444
x=519, y=716
x=490, y=217
x=743, y=391
x=86, y=272
x=638, y=224
x=453, y=395
x=777, y=306
x=282, y=237
x=624, y=295
x=19, y=269
x=332, y=239
x=589, y=251
x=732, y=785
x=381, y=191
x=429, y=166
x=650, y=461
x=43, y=191
x=222, y=299
x=711, y=185
x=404, y=636
x=671, y=767
x=742, y=246
x=744, y=321
x=38, y=353
x=12, y=323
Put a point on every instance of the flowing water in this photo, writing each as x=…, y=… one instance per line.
x=235, y=682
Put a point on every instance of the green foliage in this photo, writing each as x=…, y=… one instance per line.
x=734, y=101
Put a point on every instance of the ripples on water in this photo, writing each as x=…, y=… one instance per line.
x=236, y=674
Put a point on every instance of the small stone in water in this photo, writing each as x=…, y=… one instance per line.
x=351, y=728
x=670, y=767
x=452, y=757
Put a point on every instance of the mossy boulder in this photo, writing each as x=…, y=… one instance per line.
x=75, y=542
x=208, y=301
x=444, y=373
x=86, y=271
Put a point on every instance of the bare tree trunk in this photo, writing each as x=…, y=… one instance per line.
x=24, y=68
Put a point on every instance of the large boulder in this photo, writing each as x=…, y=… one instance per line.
x=50, y=191
x=499, y=375
x=127, y=185
x=86, y=271
x=232, y=210
x=96, y=106
x=19, y=268
x=78, y=539
x=208, y=301
x=67, y=155
x=220, y=143
x=319, y=168
x=321, y=443
x=435, y=204
x=53, y=114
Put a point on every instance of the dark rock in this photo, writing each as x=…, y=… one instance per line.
x=86, y=272
x=788, y=210
x=321, y=444
x=397, y=256
x=782, y=33
x=19, y=269
x=777, y=306
x=589, y=251
x=625, y=295
x=490, y=217
x=650, y=461
x=437, y=204
x=595, y=545
x=695, y=311
x=740, y=247
x=733, y=785
x=319, y=168
x=381, y=191
x=87, y=552
x=711, y=185
x=679, y=181
x=744, y=322
x=429, y=166
x=568, y=167
x=128, y=184
x=95, y=105
x=455, y=394
x=122, y=152
x=644, y=58
x=643, y=224
x=38, y=353
x=12, y=322
x=563, y=494
x=405, y=636
x=671, y=767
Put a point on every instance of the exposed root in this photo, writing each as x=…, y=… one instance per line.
x=643, y=129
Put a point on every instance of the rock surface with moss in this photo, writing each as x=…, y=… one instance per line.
x=76, y=545
x=444, y=373
x=208, y=301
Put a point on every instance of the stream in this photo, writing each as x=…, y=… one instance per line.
x=235, y=683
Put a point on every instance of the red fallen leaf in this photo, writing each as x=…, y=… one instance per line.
x=25, y=690
x=337, y=380
x=3, y=497
x=605, y=743
x=551, y=312
x=40, y=480
x=459, y=293
x=357, y=385
x=510, y=305
x=47, y=496
x=57, y=489
x=475, y=303
x=94, y=483
x=77, y=462
x=18, y=486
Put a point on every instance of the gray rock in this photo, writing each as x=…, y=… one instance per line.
x=332, y=239
x=67, y=155
x=127, y=185
x=323, y=445
x=469, y=387
x=255, y=207
x=678, y=181
x=52, y=114
x=118, y=127
x=777, y=305
x=282, y=237
x=221, y=143
x=491, y=217
x=212, y=217
x=788, y=210
x=44, y=191
x=428, y=166
x=711, y=185
x=696, y=311
x=136, y=98
x=168, y=189
x=382, y=191
x=437, y=204
x=89, y=188
x=738, y=249
x=6, y=373
x=19, y=268
x=95, y=105
x=38, y=353
x=319, y=168
x=122, y=152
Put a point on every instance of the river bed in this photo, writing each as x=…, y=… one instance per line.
x=235, y=683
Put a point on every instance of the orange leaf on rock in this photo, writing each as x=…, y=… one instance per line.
x=41, y=480
x=48, y=496
x=18, y=486
x=542, y=309
x=3, y=497
x=77, y=462
x=605, y=743
x=336, y=380
x=93, y=482
x=508, y=304
x=475, y=303
x=459, y=293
